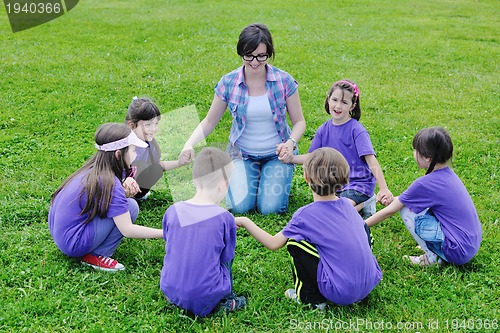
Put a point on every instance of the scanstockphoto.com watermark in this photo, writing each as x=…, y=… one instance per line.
x=364, y=325
x=26, y=14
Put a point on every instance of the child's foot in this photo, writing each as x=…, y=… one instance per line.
x=424, y=260
x=290, y=293
x=319, y=306
x=102, y=263
x=144, y=197
x=233, y=303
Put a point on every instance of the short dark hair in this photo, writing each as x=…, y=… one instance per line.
x=434, y=143
x=326, y=170
x=252, y=36
x=211, y=166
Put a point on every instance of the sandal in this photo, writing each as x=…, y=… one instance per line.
x=423, y=260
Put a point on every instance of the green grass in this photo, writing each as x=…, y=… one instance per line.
x=418, y=64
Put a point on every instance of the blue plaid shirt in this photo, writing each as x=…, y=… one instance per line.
x=232, y=89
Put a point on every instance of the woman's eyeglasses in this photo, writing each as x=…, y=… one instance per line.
x=259, y=57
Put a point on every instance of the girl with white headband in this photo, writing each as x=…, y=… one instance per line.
x=92, y=210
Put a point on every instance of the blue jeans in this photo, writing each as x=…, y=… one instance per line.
x=428, y=227
x=261, y=182
x=107, y=237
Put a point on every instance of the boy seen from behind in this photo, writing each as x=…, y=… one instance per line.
x=200, y=242
x=327, y=239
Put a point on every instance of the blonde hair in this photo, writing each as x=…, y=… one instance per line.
x=326, y=171
x=211, y=166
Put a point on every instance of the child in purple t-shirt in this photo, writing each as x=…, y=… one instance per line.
x=332, y=259
x=143, y=117
x=200, y=242
x=92, y=210
x=345, y=133
x=436, y=208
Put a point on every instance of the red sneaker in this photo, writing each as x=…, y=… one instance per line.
x=102, y=263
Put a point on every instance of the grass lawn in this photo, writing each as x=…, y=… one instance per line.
x=418, y=64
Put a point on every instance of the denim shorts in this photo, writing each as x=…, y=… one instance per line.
x=428, y=228
x=354, y=195
x=358, y=198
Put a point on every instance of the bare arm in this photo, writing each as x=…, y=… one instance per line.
x=203, y=129
x=128, y=229
x=299, y=159
x=169, y=165
x=384, y=196
x=271, y=242
x=385, y=213
x=285, y=150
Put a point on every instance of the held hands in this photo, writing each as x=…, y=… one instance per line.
x=186, y=155
x=285, y=151
x=131, y=187
x=385, y=197
x=241, y=221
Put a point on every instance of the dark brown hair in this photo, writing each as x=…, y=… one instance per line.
x=253, y=35
x=350, y=87
x=434, y=143
x=141, y=109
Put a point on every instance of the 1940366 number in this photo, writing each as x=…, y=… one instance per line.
x=33, y=8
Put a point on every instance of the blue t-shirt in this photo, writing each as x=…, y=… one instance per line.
x=446, y=196
x=200, y=239
x=347, y=269
x=353, y=141
x=71, y=235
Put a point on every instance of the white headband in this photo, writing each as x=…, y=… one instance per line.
x=131, y=139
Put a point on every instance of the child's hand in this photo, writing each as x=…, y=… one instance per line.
x=240, y=221
x=285, y=152
x=385, y=197
x=131, y=187
x=186, y=156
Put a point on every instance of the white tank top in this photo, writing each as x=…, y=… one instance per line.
x=260, y=136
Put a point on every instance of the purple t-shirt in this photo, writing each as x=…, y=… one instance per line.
x=71, y=235
x=446, y=196
x=199, y=240
x=347, y=269
x=353, y=141
x=149, y=169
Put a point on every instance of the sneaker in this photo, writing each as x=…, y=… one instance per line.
x=319, y=306
x=103, y=263
x=292, y=294
x=424, y=260
x=233, y=303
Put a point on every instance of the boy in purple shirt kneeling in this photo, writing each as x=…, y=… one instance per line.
x=200, y=242
x=327, y=239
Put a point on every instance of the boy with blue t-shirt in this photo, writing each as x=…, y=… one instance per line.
x=200, y=242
